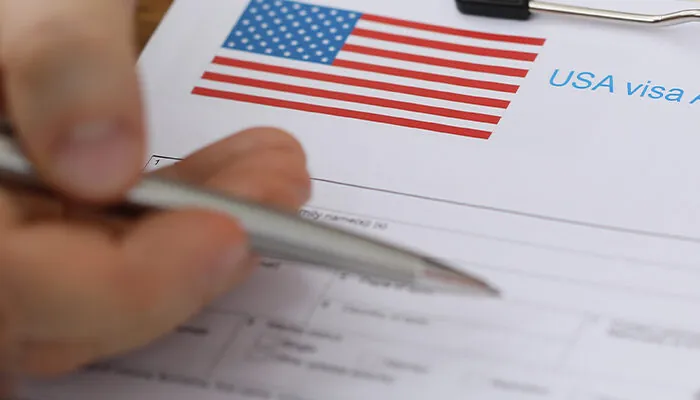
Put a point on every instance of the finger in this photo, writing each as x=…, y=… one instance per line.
x=69, y=70
x=50, y=358
x=8, y=211
x=8, y=351
x=203, y=164
x=28, y=207
x=268, y=178
x=263, y=164
x=73, y=285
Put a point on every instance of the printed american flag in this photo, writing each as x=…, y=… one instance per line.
x=350, y=64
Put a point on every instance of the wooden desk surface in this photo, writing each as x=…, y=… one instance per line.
x=148, y=15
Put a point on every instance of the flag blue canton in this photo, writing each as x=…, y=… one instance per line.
x=292, y=30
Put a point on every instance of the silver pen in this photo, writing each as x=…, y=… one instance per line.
x=273, y=233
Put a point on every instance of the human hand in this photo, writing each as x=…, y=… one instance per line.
x=73, y=289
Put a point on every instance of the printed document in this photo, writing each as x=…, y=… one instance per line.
x=556, y=157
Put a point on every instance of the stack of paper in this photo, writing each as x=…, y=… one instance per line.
x=557, y=157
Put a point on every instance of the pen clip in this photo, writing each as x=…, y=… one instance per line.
x=523, y=9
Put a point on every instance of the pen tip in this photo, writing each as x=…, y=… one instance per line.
x=452, y=280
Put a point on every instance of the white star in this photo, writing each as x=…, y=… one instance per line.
x=332, y=48
x=281, y=47
x=277, y=21
x=290, y=16
x=314, y=9
x=326, y=41
x=334, y=12
x=302, y=13
x=308, y=19
x=288, y=36
x=257, y=36
x=251, y=29
x=250, y=47
x=284, y=9
x=295, y=24
x=231, y=44
x=320, y=34
x=239, y=33
x=287, y=54
x=340, y=19
x=300, y=50
x=296, y=6
x=264, y=26
x=268, y=51
x=253, y=10
x=313, y=45
x=270, y=32
x=314, y=27
x=283, y=28
x=338, y=37
x=278, y=3
x=263, y=44
x=301, y=31
x=246, y=22
x=294, y=43
x=272, y=13
x=244, y=40
x=326, y=22
x=275, y=39
x=305, y=57
x=266, y=6
x=319, y=53
x=333, y=30
x=324, y=59
x=352, y=15
x=321, y=16
x=307, y=39
x=346, y=26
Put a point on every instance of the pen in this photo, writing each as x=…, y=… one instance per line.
x=522, y=9
x=273, y=233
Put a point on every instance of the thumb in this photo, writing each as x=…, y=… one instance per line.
x=72, y=92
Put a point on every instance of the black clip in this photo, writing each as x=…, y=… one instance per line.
x=507, y=9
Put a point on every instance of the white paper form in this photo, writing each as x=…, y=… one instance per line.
x=579, y=200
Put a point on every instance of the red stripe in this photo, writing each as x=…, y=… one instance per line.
x=452, y=80
x=453, y=31
x=435, y=44
x=396, y=55
x=354, y=98
x=390, y=87
x=340, y=112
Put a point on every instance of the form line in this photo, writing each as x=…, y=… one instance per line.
x=542, y=217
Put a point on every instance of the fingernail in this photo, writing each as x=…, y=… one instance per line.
x=226, y=270
x=96, y=158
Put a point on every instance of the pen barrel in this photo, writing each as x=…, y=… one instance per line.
x=276, y=234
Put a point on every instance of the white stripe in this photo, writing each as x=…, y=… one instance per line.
x=415, y=66
x=445, y=87
x=336, y=87
x=442, y=37
x=444, y=54
x=344, y=105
